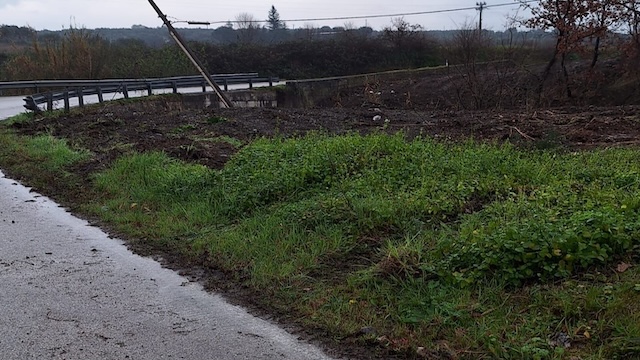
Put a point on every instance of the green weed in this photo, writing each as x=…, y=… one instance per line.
x=50, y=154
x=20, y=118
x=183, y=128
x=221, y=139
x=216, y=119
x=469, y=250
x=229, y=140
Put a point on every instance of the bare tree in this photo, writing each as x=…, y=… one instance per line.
x=574, y=22
x=349, y=26
x=309, y=31
x=630, y=17
x=465, y=49
x=248, y=27
x=401, y=33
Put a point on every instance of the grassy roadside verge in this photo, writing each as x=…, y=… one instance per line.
x=428, y=249
x=43, y=161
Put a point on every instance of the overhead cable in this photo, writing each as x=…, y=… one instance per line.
x=364, y=16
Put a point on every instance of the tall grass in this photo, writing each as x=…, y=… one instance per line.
x=486, y=247
x=76, y=55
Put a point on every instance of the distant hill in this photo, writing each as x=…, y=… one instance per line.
x=14, y=37
x=158, y=37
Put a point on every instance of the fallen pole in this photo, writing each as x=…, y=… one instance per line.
x=174, y=34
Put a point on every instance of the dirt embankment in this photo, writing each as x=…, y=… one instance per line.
x=211, y=137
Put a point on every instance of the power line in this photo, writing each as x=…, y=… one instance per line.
x=367, y=16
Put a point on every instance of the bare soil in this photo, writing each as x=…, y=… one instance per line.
x=211, y=137
x=206, y=136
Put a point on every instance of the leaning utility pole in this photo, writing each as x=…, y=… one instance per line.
x=174, y=34
x=480, y=7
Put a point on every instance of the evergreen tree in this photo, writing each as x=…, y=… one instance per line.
x=273, y=20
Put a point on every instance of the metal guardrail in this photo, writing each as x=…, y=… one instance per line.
x=80, y=88
x=38, y=84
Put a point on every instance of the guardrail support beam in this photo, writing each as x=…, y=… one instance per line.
x=30, y=104
x=67, y=107
x=80, y=97
x=49, y=102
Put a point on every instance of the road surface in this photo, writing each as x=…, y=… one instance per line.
x=68, y=291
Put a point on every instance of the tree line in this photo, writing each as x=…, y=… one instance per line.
x=81, y=53
x=570, y=38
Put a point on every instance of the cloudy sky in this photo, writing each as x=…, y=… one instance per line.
x=58, y=14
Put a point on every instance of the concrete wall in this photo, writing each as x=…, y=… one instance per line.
x=239, y=98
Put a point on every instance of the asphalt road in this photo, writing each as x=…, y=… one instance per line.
x=11, y=105
x=67, y=291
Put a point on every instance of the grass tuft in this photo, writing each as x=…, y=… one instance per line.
x=46, y=152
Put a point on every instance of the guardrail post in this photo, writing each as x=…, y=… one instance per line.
x=100, y=97
x=270, y=81
x=30, y=104
x=80, y=94
x=175, y=87
x=226, y=85
x=65, y=95
x=125, y=91
x=250, y=84
x=149, y=89
x=49, y=101
x=204, y=86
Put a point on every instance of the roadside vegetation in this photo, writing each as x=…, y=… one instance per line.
x=422, y=248
x=407, y=245
x=569, y=56
x=83, y=54
x=51, y=155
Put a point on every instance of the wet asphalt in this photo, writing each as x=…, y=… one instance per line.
x=68, y=291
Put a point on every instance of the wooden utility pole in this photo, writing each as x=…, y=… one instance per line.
x=183, y=45
x=480, y=7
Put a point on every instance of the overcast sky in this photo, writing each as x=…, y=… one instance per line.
x=59, y=14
